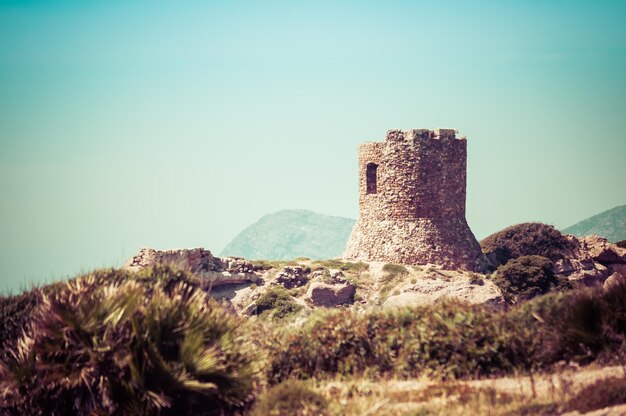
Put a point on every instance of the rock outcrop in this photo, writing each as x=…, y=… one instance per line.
x=475, y=290
x=197, y=260
x=592, y=260
x=213, y=270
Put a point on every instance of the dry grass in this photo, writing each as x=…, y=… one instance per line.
x=546, y=394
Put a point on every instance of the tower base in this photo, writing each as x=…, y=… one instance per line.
x=444, y=242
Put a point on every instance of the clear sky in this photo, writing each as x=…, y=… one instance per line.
x=176, y=124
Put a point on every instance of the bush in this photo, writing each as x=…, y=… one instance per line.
x=128, y=349
x=526, y=240
x=292, y=397
x=276, y=303
x=449, y=339
x=584, y=324
x=452, y=339
x=525, y=277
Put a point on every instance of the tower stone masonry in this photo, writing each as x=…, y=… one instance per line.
x=412, y=202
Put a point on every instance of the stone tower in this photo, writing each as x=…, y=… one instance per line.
x=412, y=202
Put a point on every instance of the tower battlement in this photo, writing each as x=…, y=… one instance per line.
x=412, y=201
x=417, y=134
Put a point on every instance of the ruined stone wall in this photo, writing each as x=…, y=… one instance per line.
x=417, y=214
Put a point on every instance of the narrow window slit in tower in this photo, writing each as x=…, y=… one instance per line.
x=370, y=175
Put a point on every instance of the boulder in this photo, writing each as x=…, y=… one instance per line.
x=330, y=295
x=591, y=261
x=581, y=270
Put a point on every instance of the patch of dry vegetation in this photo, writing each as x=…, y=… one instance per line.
x=452, y=339
x=154, y=340
x=542, y=394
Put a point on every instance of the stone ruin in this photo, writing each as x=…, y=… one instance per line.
x=214, y=271
x=412, y=202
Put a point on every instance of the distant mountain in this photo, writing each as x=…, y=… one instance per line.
x=610, y=224
x=290, y=234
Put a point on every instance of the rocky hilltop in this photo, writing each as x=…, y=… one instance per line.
x=309, y=283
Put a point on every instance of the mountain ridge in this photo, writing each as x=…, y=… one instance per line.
x=610, y=224
x=292, y=233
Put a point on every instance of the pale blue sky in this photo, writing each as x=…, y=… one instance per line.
x=176, y=124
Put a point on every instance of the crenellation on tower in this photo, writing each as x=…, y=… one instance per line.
x=412, y=201
x=445, y=133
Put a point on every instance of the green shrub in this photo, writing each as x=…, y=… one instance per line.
x=345, y=266
x=584, y=324
x=526, y=240
x=277, y=303
x=291, y=397
x=526, y=277
x=128, y=349
x=395, y=269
